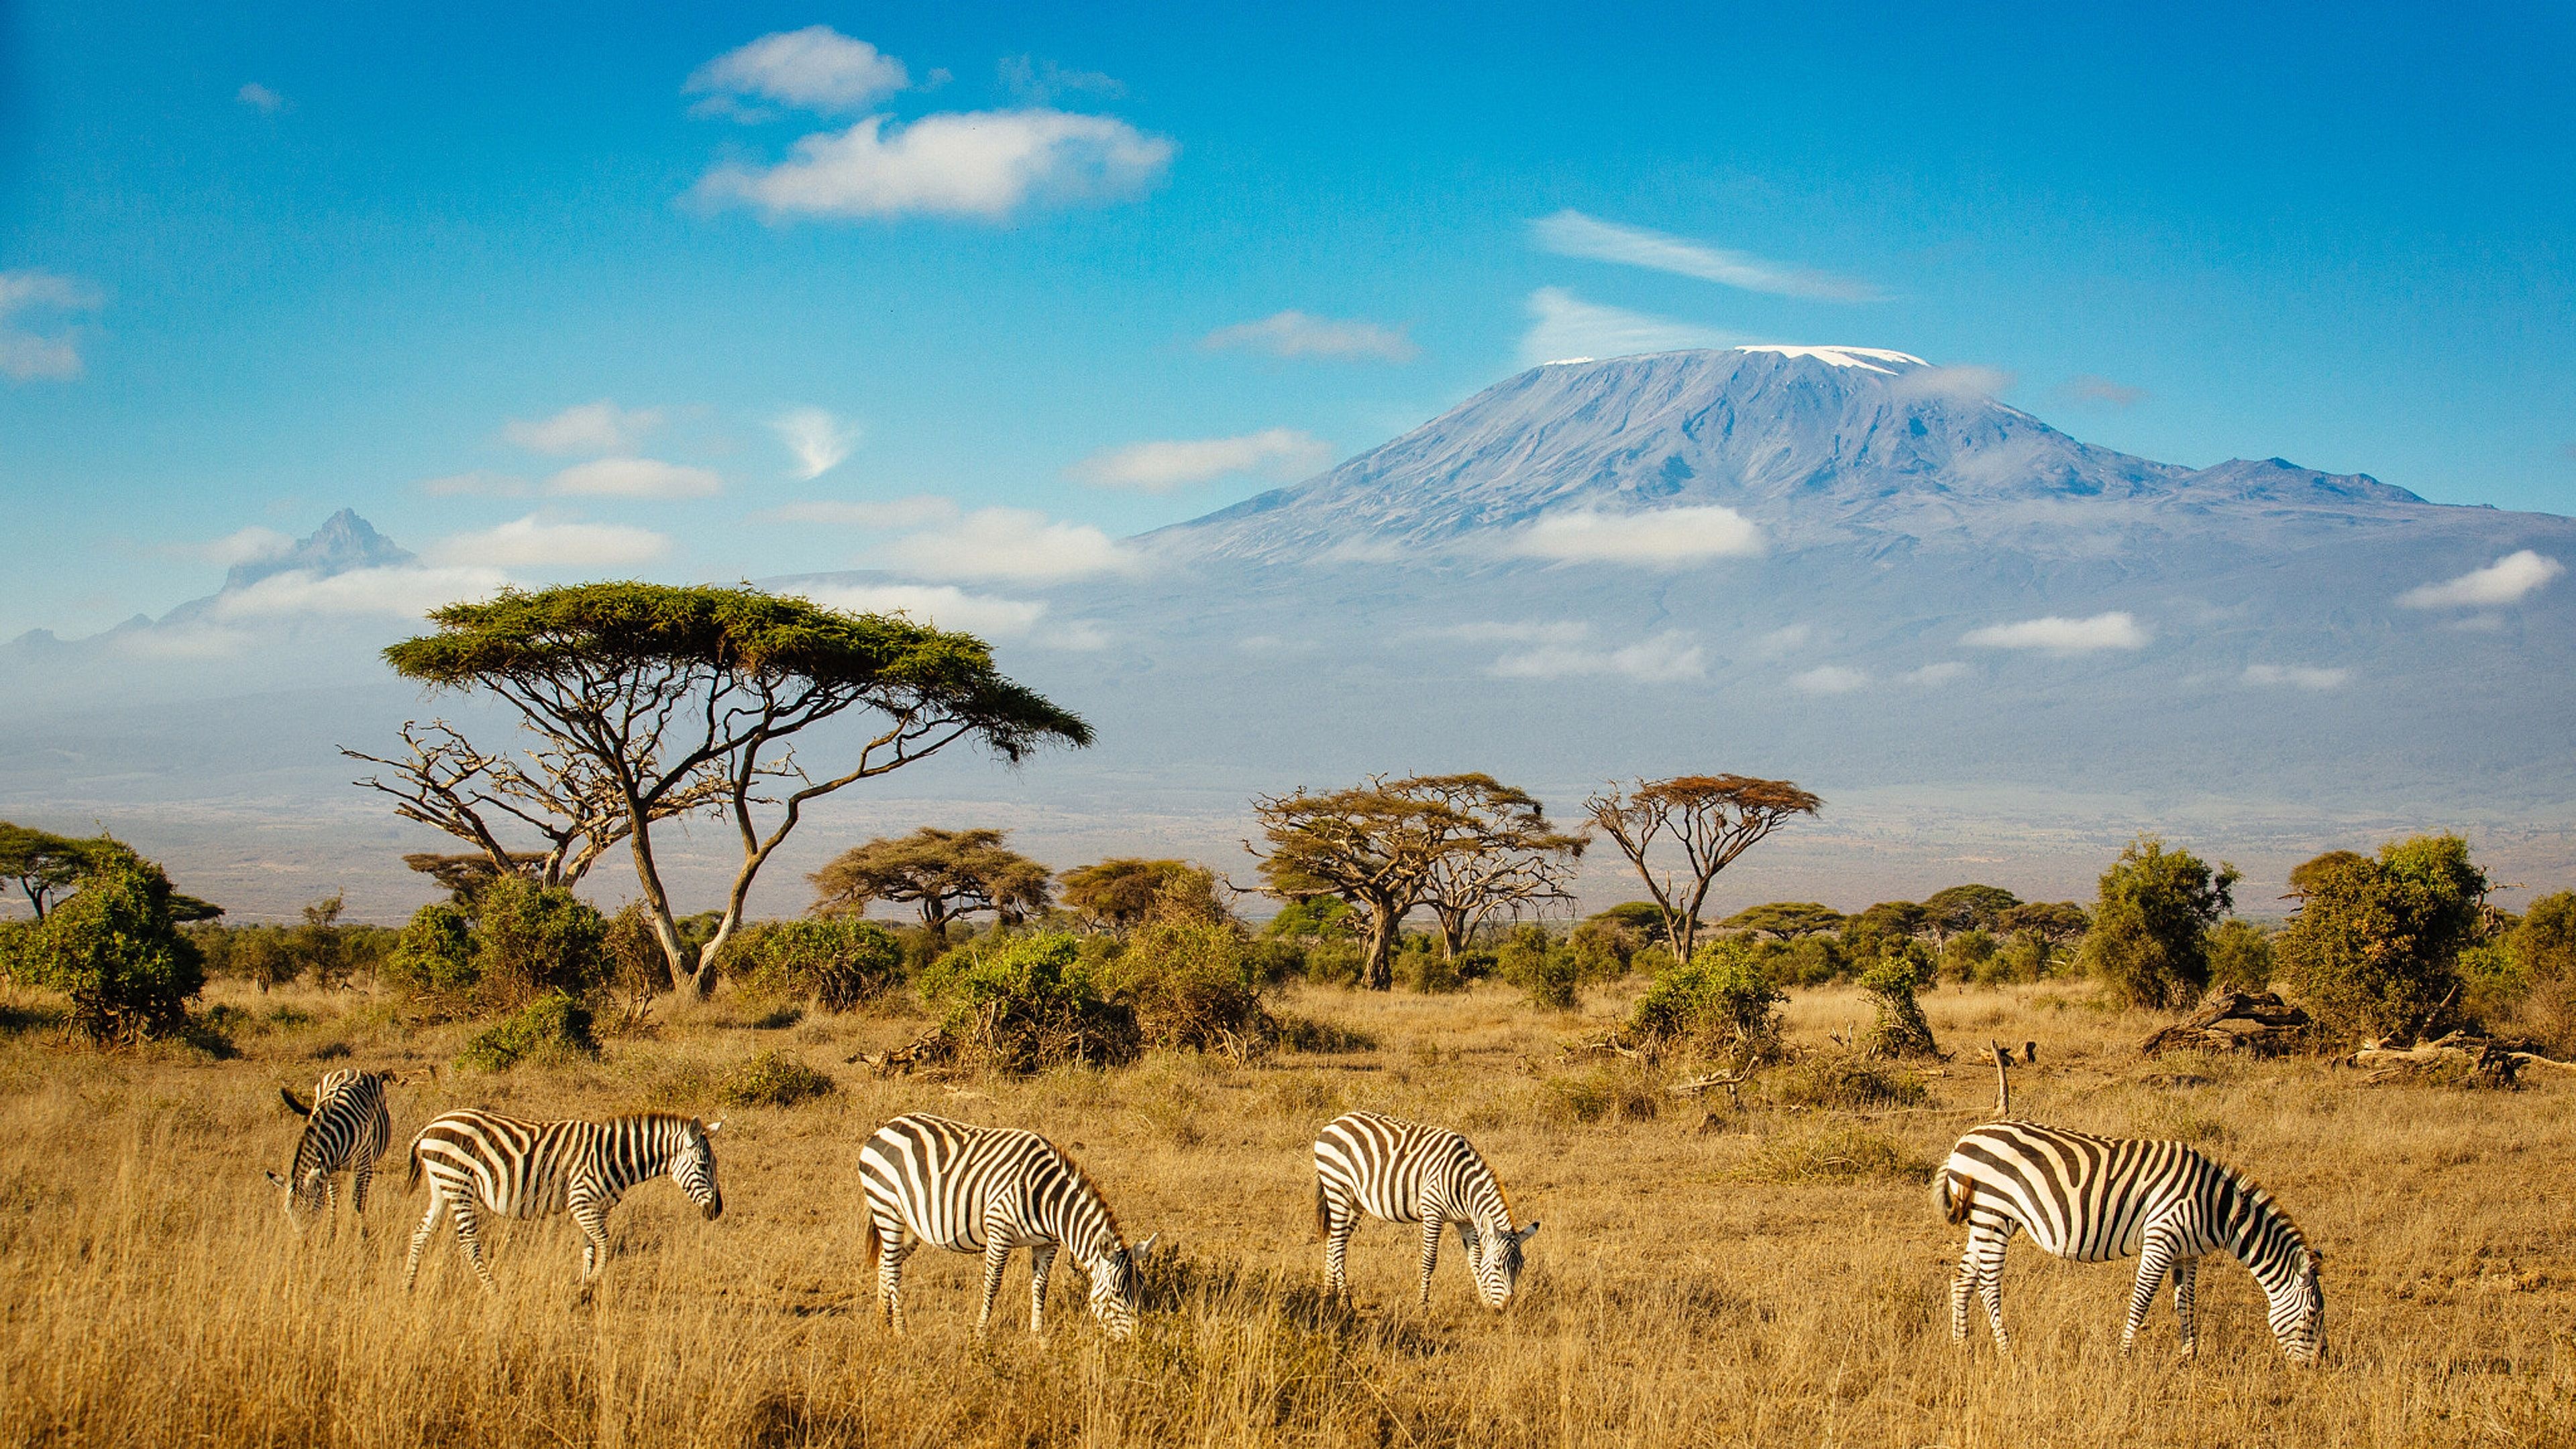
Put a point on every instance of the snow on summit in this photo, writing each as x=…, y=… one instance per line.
x=1865, y=358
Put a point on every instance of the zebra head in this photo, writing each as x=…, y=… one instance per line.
x=2299, y=1310
x=693, y=1167
x=1496, y=1257
x=303, y=1194
x=1117, y=1286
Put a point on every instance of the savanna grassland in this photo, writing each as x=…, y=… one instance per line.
x=1704, y=1276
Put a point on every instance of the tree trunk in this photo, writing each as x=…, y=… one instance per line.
x=657, y=904
x=1456, y=925
x=1383, y=921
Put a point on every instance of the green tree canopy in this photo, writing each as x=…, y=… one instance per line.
x=1870, y=931
x=1372, y=845
x=1707, y=821
x=1117, y=895
x=1964, y=908
x=645, y=702
x=2151, y=921
x=115, y=950
x=2374, y=948
x=43, y=864
x=2054, y=923
x=1785, y=920
x=944, y=874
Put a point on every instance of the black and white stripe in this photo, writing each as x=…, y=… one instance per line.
x=482, y=1160
x=1405, y=1172
x=991, y=1190
x=2098, y=1198
x=345, y=1130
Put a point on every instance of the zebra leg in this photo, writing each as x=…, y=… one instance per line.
x=468, y=1235
x=1963, y=1284
x=594, y=1238
x=2186, y=1276
x=1431, y=1229
x=997, y=1253
x=2155, y=1259
x=420, y=1236
x=1343, y=1217
x=359, y=1177
x=891, y=1252
x=1041, y=1261
x=1986, y=1246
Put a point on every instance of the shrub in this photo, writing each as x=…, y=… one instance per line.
x=1722, y=1003
x=2150, y=936
x=1845, y=1081
x=1549, y=971
x=553, y=1027
x=1607, y=1093
x=532, y=940
x=434, y=955
x=2375, y=946
x=1024, y=1003
x=2542, y=950
x=1807, y=961
x=2240, y=956
x=1193, y=984
x=637, y=966
x=1603, y=949
x=1969, y=956
x=837, y=964
x=772, y=1079
x=1419, y=966
x=1898, y=1030
x=115, y=951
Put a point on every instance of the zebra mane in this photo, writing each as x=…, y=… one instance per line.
x=1090, y=1189
x=2262, y=1209
x=1511, y=1216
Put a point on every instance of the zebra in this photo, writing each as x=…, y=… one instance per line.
x=1405, y=1172
x=537, y=1169
x=345, y=1130
x=2093, y=1199
x=990, y=1190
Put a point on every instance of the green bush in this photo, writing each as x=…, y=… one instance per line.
x=1419, y=966
x=115, y=951
x=532, y=940
x=837, y=964
x=2151, y=923
x=1193, y=984
x=1807, y=961
x=434, y=955
x=553, y=1027
x=1023, y=1003
x=1898, y=1030
x=1603, y=950
x=1548, y=970
x=2374, y=949
x=2240, y=956
x=637, y=966
x=1721, y=1003
x=1969, y=957
x=772, y=1079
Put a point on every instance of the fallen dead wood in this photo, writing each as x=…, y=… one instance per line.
x=2472, y=1061
x=2259, y=1022
x=933, y=1051
x=1732, y=1083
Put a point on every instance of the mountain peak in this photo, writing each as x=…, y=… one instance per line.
x=345, y=541
x=1867, y=359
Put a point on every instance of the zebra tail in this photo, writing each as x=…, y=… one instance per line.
x=876, y=1240
x=1323, y=1218
x=294, y=1104
x=411, y=1175
x=1953, y=1204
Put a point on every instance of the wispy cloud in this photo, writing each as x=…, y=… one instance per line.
x=942, y=606
x=249, y=545
x=537, y=541
x=1012, y=543
x=1829, y=679
x=916, y=511
x=476, y=484
x=1573, y=234
x=260, y=98
x=598, y=427
x=2058, y=635
x=1161, y=467
x=400, y=591
x=2502, y=582
x=1962, y=382
x=982, y=164
x=2102, y=392
x=185, y=639
x=635, y=478
x=2299, y=676
x=1565, y=328
x=1039, y=82
x=1659, y=538
x=815, y=69
x=1295, y=334
x=37, y=340
x=1936, y=674
x=1669, y=657
x=820, y=441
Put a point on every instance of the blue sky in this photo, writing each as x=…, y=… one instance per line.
x=561, y=291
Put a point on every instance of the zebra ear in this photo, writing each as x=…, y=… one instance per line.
x=1137, y=1253
x=715, y=1126
x=273, y=1179
x=1527, y=1233
x=294, y=1103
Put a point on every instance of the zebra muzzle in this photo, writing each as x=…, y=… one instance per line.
x=714, y=1209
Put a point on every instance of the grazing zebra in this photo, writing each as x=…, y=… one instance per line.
x=990, y=1190
x=1405, y=1172
x=2093, y=1199
x=345, y=1130
x=537, y=1169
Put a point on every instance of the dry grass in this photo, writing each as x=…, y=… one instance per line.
x=1697, y=1282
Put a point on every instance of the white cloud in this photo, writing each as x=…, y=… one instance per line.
x=27, y=353
x=985, y=164
x=2102, y=392
x=1660, y=538
x=1664, y=658
x=635, y=478
x=2502, y=582
x=1934, y=675
x=1565, y=328
x=917, y=511
x=1783, y=639
x=943, y=606
x=477, y=484
x=819, y=440
x=816, y=68
x=1012, y=543
x=2058, y=635
x=260, y=98
x=188, y=639
x=1040, y=81
x=538, y=542
x=1161, y=467
x=1965, y=382
x=1295, y=334
x=400, y=590
x=1564, y=631
x=1573, y=234
x=248, y=545
x=2301, y=676
x=599, y=427
x=1828, y=679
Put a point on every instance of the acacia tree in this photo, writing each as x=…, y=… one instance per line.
x=1117, y=895
x=646, y=702
x=42, y=863
x=1785, y=920
x=1709, y=819
x=573, y=805
x=944, y=874
x=1372, y=845
x=1964, y=908
x=1496, y=849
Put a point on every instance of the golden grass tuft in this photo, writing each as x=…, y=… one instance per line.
x=1729, y=1287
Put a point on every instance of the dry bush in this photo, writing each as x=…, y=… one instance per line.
x=1846, y=1081
x=1839, y=1150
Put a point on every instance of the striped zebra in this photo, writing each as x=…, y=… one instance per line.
x=1405, y=1172
x=2094, y=1199
x=476, y=1159
x=990, y=1190
x=345, y=1130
